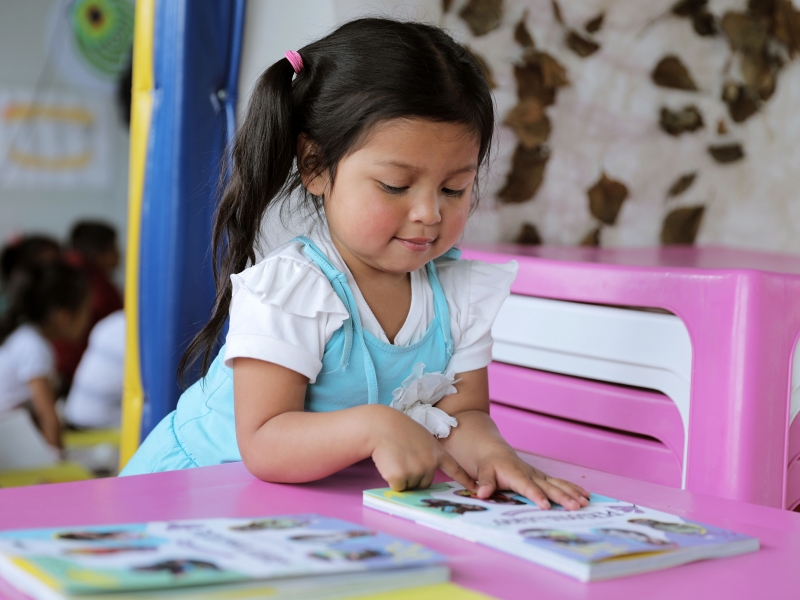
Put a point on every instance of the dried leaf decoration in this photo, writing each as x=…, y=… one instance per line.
x=557, y=12
x=686, y=119
x=741, y=104
x=526, y=175
x=528, y=235
x=687, y=8
x=539, y=77
x=681, y=225
x=592, y=238
x=746, y=33
x=580, y=45
x=722, y=128
x=485, y=68
x=482, y=16
x=522, y=36
x=760, y=73
x=594, y=25
x=605, y=199
x=786, y=26
x=682, y=183
x=529, y=122
x=703, y=21
x=670, y=72
x=726, y=153
x=447, y=5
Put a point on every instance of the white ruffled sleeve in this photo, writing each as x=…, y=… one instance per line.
x=283, y=311
x=475, y=291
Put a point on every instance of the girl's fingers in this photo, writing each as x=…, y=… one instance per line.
x=487, y=482
x=412, y=483
x=451, y=468
x=426, y=480
x=558, y=495
x=528, y=488
x=575, y=492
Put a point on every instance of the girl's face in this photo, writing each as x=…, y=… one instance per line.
x=403, y=198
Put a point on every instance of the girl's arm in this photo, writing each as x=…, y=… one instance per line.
x=280, y=442
x=44, y=406
x=478, y=446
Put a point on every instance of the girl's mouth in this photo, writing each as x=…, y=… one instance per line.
x=416, y=244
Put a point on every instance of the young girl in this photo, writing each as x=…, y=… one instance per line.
x=48, y=303
x=341, y=342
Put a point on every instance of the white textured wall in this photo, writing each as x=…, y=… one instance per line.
x=606, y=119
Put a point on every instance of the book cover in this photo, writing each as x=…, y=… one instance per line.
x=174, y=554
x=608, y=538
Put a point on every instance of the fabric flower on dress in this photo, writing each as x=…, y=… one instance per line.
x=417, y=395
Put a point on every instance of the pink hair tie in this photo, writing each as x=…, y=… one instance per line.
x=295, y=60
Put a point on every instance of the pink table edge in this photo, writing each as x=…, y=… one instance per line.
x=229, y=490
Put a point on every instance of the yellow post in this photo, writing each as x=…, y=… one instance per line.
x=141, y=108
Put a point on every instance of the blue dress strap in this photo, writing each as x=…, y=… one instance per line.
x=352, y=329
x=440, y=304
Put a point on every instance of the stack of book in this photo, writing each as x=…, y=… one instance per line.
x=280, y=557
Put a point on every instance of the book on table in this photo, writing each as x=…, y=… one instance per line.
x=294, y=556
x=608, y=538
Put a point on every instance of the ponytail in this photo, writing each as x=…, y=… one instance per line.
x=262, y=159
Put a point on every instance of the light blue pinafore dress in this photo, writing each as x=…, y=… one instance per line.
x=357, y=368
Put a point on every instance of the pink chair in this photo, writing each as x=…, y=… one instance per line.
x=693, y=389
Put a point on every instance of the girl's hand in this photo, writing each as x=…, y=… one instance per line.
x=407, y=455
x=503, y=469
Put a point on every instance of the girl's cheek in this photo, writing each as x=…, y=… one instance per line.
x=455, y=218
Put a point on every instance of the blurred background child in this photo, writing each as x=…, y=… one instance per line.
x=93, y=249
x=95, y=397
x=22, y=254
x=46, y=304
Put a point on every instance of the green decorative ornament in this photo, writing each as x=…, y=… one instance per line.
x=103, y=32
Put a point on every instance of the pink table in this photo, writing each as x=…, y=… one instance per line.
x=742, y=311
x=229, y=490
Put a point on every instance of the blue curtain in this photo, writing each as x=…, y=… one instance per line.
x=197, y=46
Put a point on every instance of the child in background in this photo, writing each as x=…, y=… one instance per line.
x=47, y=304
x=340, y=343
x=92, y=248
x=22, y=254
x=95, y=398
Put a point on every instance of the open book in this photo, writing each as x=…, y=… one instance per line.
x=608, y=538
x=294, y=556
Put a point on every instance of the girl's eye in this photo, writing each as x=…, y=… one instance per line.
x=453, y=193
x=393, y=190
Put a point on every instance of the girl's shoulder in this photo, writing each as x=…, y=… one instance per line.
x=289, y=279
x=26, y=338
x=30, y=350
x=475, y=280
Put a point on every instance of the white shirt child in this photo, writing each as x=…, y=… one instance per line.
x=95, y=398
x=25, y=355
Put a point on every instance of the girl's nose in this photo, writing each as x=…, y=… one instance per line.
x=425, y=210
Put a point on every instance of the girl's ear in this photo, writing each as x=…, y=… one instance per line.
x=314, y=180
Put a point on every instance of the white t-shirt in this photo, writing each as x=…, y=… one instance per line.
x=95, y=398
x=25, y=355
x=284, y=310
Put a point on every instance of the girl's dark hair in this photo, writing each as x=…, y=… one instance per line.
x=38, y=291
x=30, y=251
x=365, y=72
